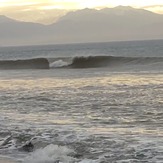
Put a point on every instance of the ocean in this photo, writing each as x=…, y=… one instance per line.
x=82, y=103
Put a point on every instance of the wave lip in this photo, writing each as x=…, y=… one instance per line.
x=58, y=64
x=36, y=63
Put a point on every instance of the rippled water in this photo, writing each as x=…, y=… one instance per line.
x=86, y=116
x=110, y=114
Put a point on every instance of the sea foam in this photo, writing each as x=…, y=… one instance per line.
x=51, y=154
x=59, y=63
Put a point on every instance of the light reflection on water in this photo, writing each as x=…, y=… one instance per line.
x=125, y=108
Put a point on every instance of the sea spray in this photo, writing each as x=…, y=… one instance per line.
x=51, y=154
x=59, y=63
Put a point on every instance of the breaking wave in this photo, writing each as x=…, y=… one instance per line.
x=51, y=154
x=59, y=63
x=83, y=62
x=55, y=154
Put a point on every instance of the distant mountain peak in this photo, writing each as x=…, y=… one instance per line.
x=86, y=25
x=124, y=7
x=126, y=10
x=5, y=19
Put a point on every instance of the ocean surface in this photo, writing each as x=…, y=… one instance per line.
x=82, y=103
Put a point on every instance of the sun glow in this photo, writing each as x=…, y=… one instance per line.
x=75, y=4
x=23, y=9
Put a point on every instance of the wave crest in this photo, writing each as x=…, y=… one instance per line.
x=58, y=64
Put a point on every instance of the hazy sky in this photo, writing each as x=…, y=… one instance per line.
x=49, y=11
x=78, y=4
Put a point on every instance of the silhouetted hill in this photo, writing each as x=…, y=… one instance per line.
x=4, y=19
x=89, y=25
x=14, y=32
x=36, y=15
x=119, y=23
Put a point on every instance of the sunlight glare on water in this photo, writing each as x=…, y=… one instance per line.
x=109, y=114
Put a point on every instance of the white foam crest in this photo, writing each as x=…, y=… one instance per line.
x=50, y=154
x=59, y=63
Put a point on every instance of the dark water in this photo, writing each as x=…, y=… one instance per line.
x=108, y=112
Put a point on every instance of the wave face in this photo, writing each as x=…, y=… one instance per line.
x=84, y=62
x=37, y=63
x=110, y=61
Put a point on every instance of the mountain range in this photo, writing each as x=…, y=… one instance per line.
x=86, y=25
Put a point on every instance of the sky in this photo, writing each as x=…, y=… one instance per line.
x=49, y=11
x=79, y=4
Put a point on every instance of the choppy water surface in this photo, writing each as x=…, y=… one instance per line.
x=86, y=116
x=97, y=103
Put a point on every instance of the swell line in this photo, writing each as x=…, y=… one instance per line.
x=36, y=63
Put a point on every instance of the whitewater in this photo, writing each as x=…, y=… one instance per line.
x=82, y=103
